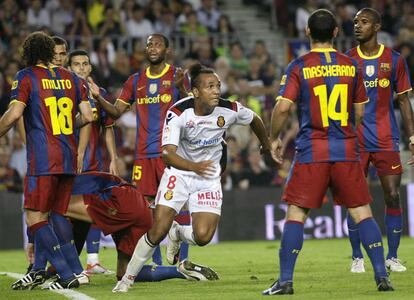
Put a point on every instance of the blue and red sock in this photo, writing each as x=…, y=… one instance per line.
x=353, y=231
x=371, y=239
x=290, y=246
x=393, y=223
x=93, y=240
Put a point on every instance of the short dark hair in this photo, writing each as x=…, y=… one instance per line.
x=195, y=71
x=164, y=38
x=60, y=41
x=376, y=16
x=38, y=46
x=321, y=24
x=77, y=52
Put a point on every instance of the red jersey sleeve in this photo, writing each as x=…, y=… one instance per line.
x=21, y=87
x=402, y=78
x=127, y=93
x=290, y=83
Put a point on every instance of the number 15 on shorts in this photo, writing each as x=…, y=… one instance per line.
x=137, y=174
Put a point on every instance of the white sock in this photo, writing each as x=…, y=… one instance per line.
x=143, y=251
x=186, y=234
x=92, y=259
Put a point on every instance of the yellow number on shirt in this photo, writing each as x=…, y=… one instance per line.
x=137, y=173
x=60, y=114
x=328, y=105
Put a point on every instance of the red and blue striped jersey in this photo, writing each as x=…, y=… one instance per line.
x=384, y=74
x=153, y=96
x=93, y=157
x=324, y=84
x=51, y=97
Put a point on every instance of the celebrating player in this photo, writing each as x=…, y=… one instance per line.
x=325, y=85
x=153, y=89
x=193, y=147
x=48, y=98
x=385, y=72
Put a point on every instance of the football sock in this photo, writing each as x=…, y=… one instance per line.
x=157, y=257
x=290, y=246
x=93, y=239
x=183, y=218
x=63, y=229
x=372, y=241
x=143, y=251
x=158, y=273
x=393, y=223
x=80, y=231
x=40, y=259
x=354, y=237
x=43, y=234
x=186, y=234
x=92, y=259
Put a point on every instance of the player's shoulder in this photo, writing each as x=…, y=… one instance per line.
x=182, y=105
x=353, y=52
x=227, y=104
x=24, y=72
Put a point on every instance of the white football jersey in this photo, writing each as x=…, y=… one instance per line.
x=200, y=138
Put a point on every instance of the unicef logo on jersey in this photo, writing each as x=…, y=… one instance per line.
x=384, y=83
x=165, y=98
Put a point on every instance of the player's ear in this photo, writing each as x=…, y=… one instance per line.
x=307, y=32
x=335, y=32
x=377, y=27
x=196, y=92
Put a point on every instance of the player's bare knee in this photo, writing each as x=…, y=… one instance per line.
x=392, y=199
x=157, y=233
x=203, y=236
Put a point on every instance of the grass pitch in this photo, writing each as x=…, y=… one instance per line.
x=245, y=269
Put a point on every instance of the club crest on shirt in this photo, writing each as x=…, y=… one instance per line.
x=112, y=211
x=385, y=67
x=169, y=194
x=370, y=70
x=166, y=83
x=153, y=88
x=220, y=121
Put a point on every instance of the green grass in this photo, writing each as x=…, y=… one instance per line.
x=245, y=269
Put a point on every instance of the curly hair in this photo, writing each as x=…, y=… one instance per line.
x=38, y=47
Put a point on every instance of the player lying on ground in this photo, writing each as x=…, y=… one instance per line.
x=117, y=208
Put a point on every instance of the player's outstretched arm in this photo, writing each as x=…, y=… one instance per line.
x=114, y=111
x=260, y=131
x=85, y=116
x=408, y=121
x=11, y=116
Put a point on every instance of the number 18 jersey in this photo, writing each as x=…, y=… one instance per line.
x=324, y=84
x=51, y=97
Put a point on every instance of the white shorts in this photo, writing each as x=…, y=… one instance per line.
x=203, y=195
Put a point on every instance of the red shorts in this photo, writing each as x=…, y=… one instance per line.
x=48, y=192
x=147, y=174
x=386, y=163
x=125, y=215
x=307, y=184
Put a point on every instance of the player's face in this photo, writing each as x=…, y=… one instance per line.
x=364, y=27
x=155, y=50
x=81, y=66
x=208, y=92
x=61, y=56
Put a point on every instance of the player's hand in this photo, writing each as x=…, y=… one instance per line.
x=113, y=167
x=411, y=160
x=204, y=168
x=179, y=78
x=93, y=88
x=79, y=164
x=30, y=253
x=267, y=157
x=277, y=151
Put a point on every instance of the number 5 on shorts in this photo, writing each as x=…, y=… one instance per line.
x=137, y=174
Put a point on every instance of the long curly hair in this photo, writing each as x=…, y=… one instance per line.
x=38, y=47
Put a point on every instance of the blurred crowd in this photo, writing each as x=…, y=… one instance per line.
x=114, y=32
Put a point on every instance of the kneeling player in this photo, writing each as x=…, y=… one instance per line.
x=117, y=208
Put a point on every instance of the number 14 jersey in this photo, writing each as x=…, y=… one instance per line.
x=51, y=97
x=324, y=84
